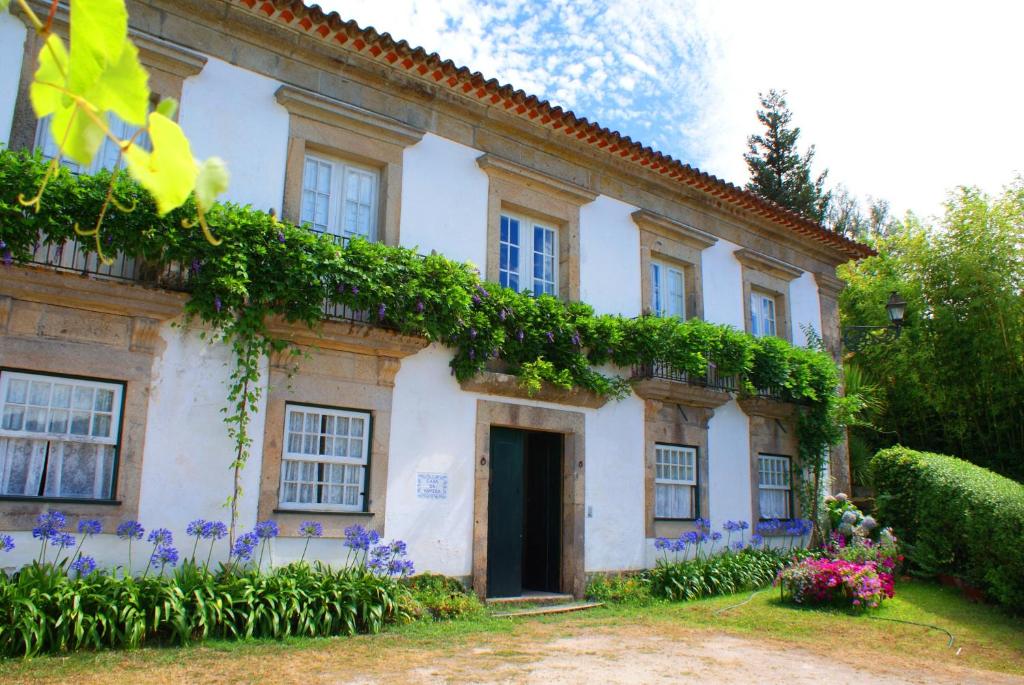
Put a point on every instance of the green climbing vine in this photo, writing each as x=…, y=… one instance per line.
x=268, y=268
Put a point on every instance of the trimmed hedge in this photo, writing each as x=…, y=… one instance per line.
x=955, y=518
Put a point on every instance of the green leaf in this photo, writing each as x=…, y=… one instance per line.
x=168, y=107
x=211, y=181
x=99, y=32
x=122, y=87
x=50, y=77
x=169, y=172
x=4, y=4
x=78, y=134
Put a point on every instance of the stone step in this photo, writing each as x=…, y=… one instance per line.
x=543, y=611
x=531, y=598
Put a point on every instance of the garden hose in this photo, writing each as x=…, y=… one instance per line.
x=915, y=623
x=874, y=618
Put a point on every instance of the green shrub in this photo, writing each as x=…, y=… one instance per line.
x=955, y=518
x=717, y=574
x=442, y=597
x=622, y=588
x=43, y=610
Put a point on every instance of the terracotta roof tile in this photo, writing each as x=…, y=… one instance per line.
x=431, y=66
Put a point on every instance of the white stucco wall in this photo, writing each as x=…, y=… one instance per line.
x=186, y=473
x=614, y=490
x=722, y=276
x=12, y=47
x=444, y=200
x=610, y=257
x=805, y=308
x=433, y=430
x=231, y=113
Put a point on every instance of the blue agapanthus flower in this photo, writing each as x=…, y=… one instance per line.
x=266, y=530
x=311, y=529
x=90, y=527
x=738, y=545
x=662, y=543
x=731, y=526
x=49, y=525
x=756, y=539
x=702, y=523
x=6, y=543
x=195, y=528
x=716, y=536
x=84, y=565
x=690, y=538
x=398, y=547
x=679, y=545
x=214, y=530
x=743, y=525
x=161, y=537
x=244, y=546
x=359, y=538
x=62, y=540
x=164, y=555
x=130, y=530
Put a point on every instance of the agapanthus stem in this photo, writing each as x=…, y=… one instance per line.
x=209, y=556
x=304, y=548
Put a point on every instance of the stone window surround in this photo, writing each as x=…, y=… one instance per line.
x=62, y=324
x=571, y=425
x=765, y=274
x=336, y=129
x=772, y=431
x=349, y=367
x=672, y=242
x=168, y=66
x=674, y=423
x=516, y=188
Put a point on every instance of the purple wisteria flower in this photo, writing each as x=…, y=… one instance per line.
x=280, y=237
x=244, y=546
x=130, y=530
x=90, y=527
x=84, y=565
x=214, y=530
x=520, y=335
x=472, y=334
x=266, y=530
x=381, y=310
x=420, y=306
x=196, y=266
x=161, y=537
x=576, y=339
x=195, y=528
x=217, y=304
x=6, y=543
x=502, y=314
x=355, y=290
x=311, y=529
x=550, y=336
x=476, y=299
x=7, y=258
x=482, y=290
x=49, y=525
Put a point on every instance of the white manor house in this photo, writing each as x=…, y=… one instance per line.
x=112, y=411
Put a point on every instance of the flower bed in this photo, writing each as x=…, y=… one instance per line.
x=836, y=581
x=66, y=602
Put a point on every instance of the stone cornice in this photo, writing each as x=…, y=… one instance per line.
x=764, y=263
x=673, y=230
x=503, y=168
x=74, y=291
x=337, y=113
x=829, y=286
x=762, y=406
x=345, y=336
x=153, y=52
x=506, y=385
x=676, y=392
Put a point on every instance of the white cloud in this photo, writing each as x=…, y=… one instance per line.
x=903, y=100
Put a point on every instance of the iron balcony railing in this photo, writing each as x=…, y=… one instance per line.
x=711, y=379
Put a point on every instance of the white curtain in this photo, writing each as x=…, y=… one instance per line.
x=673, y=501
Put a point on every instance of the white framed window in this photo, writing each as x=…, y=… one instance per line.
x=762, y=314
x=668, y=291
x=528, y=255
x=326, y=453
x=58, y=435
x=774, y=483
x=107, y=155
x=339, y=197
x=675, y=482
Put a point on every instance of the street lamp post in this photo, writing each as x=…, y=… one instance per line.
x=856, y=337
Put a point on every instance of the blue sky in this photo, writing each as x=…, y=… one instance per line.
x=903, y=100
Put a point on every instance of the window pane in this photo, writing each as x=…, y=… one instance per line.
x=676, y=295
x=656, y=289
x=77, y=469
x=508, y=249
x=21, y=466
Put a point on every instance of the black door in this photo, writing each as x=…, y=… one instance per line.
x=505, y=514
x=542, y=547
x=524, y=513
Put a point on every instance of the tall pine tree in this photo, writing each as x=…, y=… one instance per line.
x=778, y=171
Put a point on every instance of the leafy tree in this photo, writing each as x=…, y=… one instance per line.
x=845, y=216
x=778, y=171
x=954, y=381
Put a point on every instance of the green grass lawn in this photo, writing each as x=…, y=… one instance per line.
x=985, y=637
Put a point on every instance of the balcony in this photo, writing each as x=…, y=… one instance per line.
x=711, y=380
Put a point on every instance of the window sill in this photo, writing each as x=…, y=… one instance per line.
x=322, y=512
x=60, y=500
x=665, y=518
